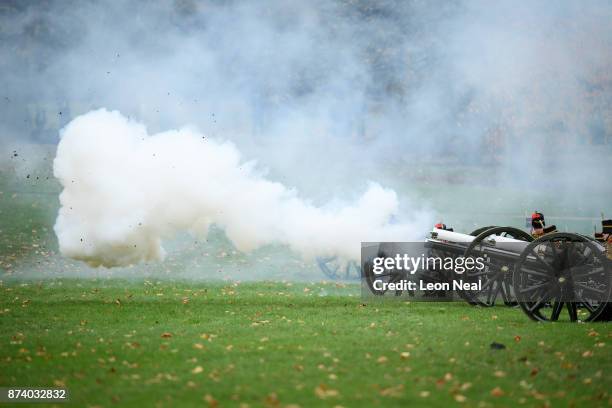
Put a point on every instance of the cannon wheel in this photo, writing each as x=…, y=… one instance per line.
x=497, y=280
x=551, y=275
x=480, y=230
x=335, y=270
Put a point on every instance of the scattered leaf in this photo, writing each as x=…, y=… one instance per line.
x=460, y=398
x=211, y=401
x=395, y=391
x=323, y=391
x=465, y=386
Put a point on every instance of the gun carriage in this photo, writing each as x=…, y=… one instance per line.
x=543, y=276
x=549, y=275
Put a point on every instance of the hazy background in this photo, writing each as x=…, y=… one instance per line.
x=477, y=112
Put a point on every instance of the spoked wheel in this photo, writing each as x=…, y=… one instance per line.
x=387, y=276
x=334, y=269
x=562, y=271
x=495, y=281
x=480, y=230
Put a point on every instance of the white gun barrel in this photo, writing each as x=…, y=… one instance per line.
x=465, y=239
x=450, y=236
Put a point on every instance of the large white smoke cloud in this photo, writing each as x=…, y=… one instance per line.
x=125, y=191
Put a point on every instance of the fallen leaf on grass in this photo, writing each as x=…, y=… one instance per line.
x=497, y=392
x=272, y=400
x=211, y=401
x=166, y=335
x=207, y=336
x=395, y=391
x=197, y=370
x=499, y=374
x=323, y=391
x=460, y=398
x=424, y=394
x=60, y=383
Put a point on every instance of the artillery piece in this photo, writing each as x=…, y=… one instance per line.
x=542, y=272
x=543, y=276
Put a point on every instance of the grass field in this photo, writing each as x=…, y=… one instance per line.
x=183, y=333
x=142, y=343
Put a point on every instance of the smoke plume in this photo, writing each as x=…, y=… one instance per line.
x=479, y=111
x=124, y=191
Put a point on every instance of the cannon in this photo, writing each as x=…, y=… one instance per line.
x=542, y=276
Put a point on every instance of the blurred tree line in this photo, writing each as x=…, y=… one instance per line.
x=400, y=72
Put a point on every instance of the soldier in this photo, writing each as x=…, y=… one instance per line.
x=605, y=236
x=538, y=225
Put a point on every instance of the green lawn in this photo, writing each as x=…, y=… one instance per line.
x=142, y=343
x=176, y=335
